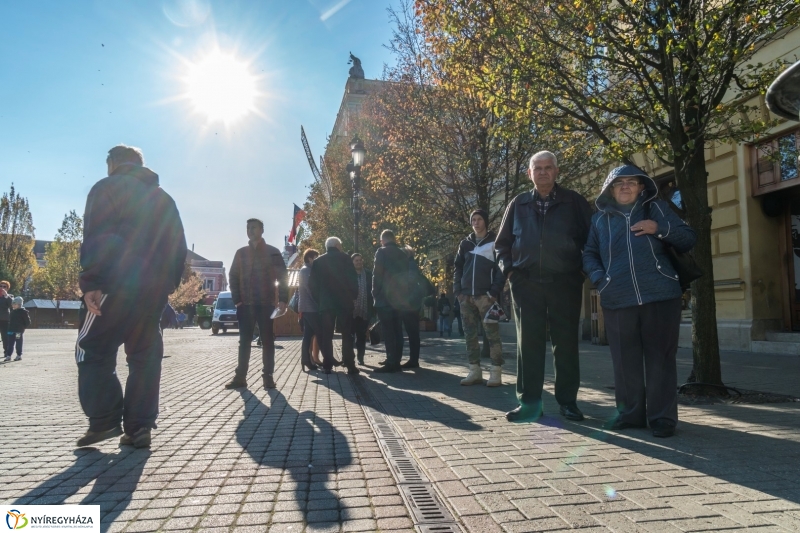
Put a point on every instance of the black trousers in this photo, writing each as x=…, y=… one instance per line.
x=392, y=331
x=359, y=331
x=310, y=328
x=344, y=320
x=537, y=304
x=410, y=320
x=249, y=316
x=4, y=334
x=643, y=341
x=15, y=339
x=131, y=321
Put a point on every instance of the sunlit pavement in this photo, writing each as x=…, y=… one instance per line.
x=306, y=457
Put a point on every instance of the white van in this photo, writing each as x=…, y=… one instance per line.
x=224, y=314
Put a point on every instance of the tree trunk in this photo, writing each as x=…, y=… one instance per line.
x=693, y=183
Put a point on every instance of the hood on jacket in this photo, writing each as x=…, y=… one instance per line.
x=474, y=238
x=141, y=173
x=606, y=200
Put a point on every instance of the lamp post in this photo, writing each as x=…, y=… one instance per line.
x=358, y=151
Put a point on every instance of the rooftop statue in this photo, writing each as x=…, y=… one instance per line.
x=356, y=71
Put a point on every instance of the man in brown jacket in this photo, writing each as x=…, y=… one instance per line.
x=255, y=270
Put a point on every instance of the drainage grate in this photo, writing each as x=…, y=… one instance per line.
x=429, y=513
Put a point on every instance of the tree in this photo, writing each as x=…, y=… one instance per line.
x=16, y=239
x=189, y=292
x=59, y=278
x=661, y=78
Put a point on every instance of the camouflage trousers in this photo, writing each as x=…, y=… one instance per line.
x=473, y=309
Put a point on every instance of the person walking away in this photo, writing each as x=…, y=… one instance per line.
x=390, y=290
x=181, y=319
x=363, y=306
x=309, y=315
x=419, y=287
x=477, y=284
x=18, y=322
x=334, y=286
x=132, y=259
x=627, y=260
x=445, y=322
x=5, y=311
x=539, y=251
x=258, y=278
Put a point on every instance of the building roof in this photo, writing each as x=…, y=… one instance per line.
x=39, y=247
x=191, y=256
x=51, y=304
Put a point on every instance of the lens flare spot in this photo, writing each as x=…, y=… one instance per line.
x=611, y=493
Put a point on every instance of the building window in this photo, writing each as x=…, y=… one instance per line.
x=208, y=284
x=775, y=163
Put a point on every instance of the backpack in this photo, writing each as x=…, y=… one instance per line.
x=445, y=310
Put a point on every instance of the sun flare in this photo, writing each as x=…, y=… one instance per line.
x=221, y=87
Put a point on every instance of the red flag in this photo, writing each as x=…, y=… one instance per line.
x=299, y=215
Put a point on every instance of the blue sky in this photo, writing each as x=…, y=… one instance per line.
x=79, y=77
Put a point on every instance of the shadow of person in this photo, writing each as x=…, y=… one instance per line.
x=115, y=477
x=301, y=444
x=393, y=398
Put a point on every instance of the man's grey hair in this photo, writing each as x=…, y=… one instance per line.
x=541, y=155
x=121, y=154
x=333, y=242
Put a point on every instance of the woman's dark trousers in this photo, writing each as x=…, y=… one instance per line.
x=643, y=341
x=310, y=328
x=360, y=326
x=249, y=316
x=535, y=304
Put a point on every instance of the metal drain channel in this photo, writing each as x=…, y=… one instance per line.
x=426, y=505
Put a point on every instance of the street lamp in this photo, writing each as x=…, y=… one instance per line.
x=354, y=168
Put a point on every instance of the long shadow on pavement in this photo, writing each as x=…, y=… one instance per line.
x=303, y=444
x=115, y=477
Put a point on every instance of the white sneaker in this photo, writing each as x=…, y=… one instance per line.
x=18, y=358
x=8, y=358
x=495, y=376
x=475, y=375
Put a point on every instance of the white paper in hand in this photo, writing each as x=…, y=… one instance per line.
x=278, y=313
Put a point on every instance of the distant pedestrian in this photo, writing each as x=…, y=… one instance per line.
x=539, y=250
x=258, y=279
x=419, y=287
x=19, y=321
x=132, y=258
x=445, y=320
x=168, y=318
x=363, y=306
x=457, y=316
x=477, y=284
x=626, y=259
x=334, y=286
x=5, y=310
x=181, y=319
x=309, y=313
x=389, y=289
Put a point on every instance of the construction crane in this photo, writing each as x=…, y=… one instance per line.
x=321, y=178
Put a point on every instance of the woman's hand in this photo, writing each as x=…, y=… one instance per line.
x=645, y=227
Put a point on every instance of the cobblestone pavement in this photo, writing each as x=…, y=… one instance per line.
x=306, y=457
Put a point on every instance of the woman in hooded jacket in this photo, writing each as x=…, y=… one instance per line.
x=626, y=259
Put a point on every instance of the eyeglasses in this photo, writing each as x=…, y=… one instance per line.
x=625, y=183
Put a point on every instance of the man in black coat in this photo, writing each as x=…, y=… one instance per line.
x=5, y=311
x=539, y=249
x=363, y=306
x=132, y=258
x=390, y=290
x=334, y=286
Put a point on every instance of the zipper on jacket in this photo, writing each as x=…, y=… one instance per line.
x=630, y=257
x=541, y=244
x=475, y=259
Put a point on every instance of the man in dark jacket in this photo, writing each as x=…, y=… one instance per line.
x=255, y=271
x=390, y=290
x=477, y=284
x=539, y=250
x=132, y=258
x=363, y=307
x=334, y=286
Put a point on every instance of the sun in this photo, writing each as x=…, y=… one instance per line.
x=221, y=87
